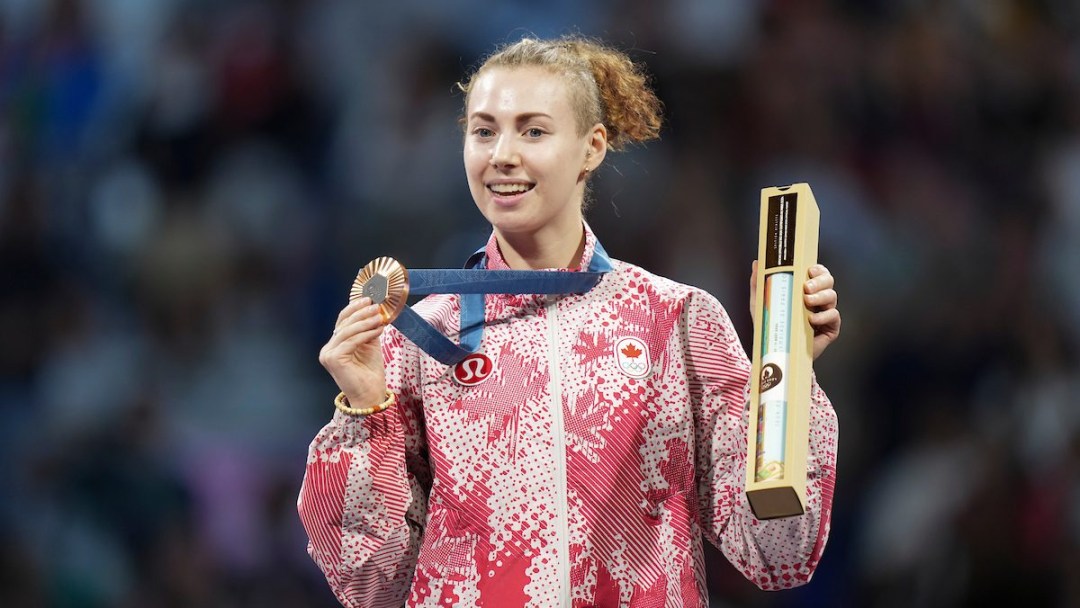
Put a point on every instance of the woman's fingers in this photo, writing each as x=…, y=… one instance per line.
x=360, y=320
x=818, y=290
x=358, y=324
x=820, y=279
x=352, y=308
x=366, y=312
x=820, y=297
x=361, y=337
x=821, y=300
x=347, y=331
x=348, y=339
x=825, y=320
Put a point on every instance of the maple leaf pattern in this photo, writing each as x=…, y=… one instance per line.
x=588, y=419
x=644, y=314
x=488, y=401
x=591, y=346
x=641, y=312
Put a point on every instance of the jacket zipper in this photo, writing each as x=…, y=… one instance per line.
x=557, y=424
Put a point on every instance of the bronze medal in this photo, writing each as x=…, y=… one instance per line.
x=386, y=282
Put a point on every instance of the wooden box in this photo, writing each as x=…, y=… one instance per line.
x=783, y=354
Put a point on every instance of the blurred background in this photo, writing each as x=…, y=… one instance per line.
x=188, y=187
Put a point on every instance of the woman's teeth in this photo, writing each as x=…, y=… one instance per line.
x=510, y=188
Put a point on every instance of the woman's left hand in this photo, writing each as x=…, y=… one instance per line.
x=819, y=295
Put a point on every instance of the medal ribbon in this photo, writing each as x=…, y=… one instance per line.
x=472, y=283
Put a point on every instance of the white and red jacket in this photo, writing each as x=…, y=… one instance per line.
x=580, y=472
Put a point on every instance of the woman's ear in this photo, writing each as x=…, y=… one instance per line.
x=597, y=147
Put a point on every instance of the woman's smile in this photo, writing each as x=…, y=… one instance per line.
x=509, y=193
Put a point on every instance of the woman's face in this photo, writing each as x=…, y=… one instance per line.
x=524, y=155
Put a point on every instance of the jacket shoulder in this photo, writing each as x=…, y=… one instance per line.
x=631, y=276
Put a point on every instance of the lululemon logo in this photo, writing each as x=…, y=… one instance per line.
x=473, y=370
x=633, y=357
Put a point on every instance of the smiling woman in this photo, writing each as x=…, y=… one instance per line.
x=527, y=163
x=539, y=118
x=578, y=458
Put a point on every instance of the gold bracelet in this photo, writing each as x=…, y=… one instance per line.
x=342, y=403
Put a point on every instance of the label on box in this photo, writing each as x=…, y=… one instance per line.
x=780, y=248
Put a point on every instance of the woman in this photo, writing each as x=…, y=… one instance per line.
x=610, y=433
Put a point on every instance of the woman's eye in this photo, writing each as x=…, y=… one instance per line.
x=534, y=132
x=483, y=132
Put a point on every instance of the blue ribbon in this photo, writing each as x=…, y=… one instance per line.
x=472, y=283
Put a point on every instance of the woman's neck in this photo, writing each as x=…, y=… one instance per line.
x=534, y=252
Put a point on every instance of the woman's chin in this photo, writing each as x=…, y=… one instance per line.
x=508, y=226
x=507, y=218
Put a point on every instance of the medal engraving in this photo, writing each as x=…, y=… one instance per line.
x=386, y=282
x=375, y=288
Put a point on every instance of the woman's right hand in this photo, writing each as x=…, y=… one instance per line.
x=353, y=355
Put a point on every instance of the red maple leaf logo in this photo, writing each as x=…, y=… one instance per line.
x=631, y=351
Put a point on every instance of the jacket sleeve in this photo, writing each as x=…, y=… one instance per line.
x=364, y=497
x=773, y=554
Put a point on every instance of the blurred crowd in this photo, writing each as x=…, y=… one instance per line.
x=188, y=187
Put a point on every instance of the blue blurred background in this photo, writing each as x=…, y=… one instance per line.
x=187, y=188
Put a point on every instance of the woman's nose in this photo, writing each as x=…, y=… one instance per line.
x=505, y=152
